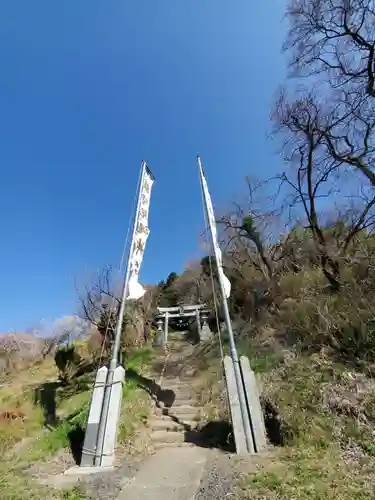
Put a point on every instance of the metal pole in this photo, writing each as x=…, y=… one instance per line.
x=232, y=345
x=166, y=325
x=116, y=345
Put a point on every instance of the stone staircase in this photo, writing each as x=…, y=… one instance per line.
x=176, y=416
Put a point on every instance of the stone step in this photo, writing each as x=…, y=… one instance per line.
x=179, y=400
x=172, y=379
x=167, y=424
x=175, y=382
x=185, y=418
x=157, y=445
x=190, y=372
x=176, y=385
x=185, y=394
x=167, y=437
x=183, y=401
x=183, y=412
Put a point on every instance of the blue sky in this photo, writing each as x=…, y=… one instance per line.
x=90, y=88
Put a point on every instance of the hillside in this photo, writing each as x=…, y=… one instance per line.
x=320, y=420
x=298, y=247
x=312, y=346
x=42, y=421
x=317, y=396
x=17, y=350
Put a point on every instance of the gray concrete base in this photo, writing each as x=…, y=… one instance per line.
x=254, y=406
x=254, y=409
x=85, y=471
x=234, y=406
x=113, y=418
x=91, y=434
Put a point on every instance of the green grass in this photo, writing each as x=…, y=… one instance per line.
x=14, y=488
x=49, y=443
x=72, y=407
x=20, y=487
x=134, y=406
x=312, y=474
x=138, y=359
x=76, y=493
x=326, y=455
x=135, y=411
x=314, y=464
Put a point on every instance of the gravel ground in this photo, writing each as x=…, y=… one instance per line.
x=108, y=486
x=225, y=471
x=219, y=478
x=101, y=486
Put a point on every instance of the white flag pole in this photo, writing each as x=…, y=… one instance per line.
x=116, y=346
x=232, y=345
x=120, y=318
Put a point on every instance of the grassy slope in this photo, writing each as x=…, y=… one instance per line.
x=326, y=413
x=329, y=451
x=31, y=443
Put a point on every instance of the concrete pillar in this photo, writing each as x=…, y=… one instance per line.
x=235, y=409
x=254, y=406
x=92, y=428
x=113, y=419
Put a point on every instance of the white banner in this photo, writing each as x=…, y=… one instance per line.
x=135, y=290
x=212, y=223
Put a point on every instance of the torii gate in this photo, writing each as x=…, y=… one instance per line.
x=165, y=313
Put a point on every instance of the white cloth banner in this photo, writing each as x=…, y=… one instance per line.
x=212, y=223
x=135, y=290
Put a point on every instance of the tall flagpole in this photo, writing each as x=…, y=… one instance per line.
x=120, y=319
x=116, y=346
x=232, y=345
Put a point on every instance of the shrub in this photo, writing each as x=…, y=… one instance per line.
x=68, y=362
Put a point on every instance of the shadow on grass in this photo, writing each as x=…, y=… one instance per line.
x=48, y=393
x=85, y=367
x=279, y=433
x=76, y=386
x=45, y=395
x=165, y=396
x=76, y=437
x=219, y=434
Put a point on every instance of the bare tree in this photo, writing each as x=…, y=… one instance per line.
x=244, y=232
x=333, y=37
x=98, y=296
x=192, y=286
x=100, y=303
x=336, y=39
x=314, y=174
x=248, y=235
